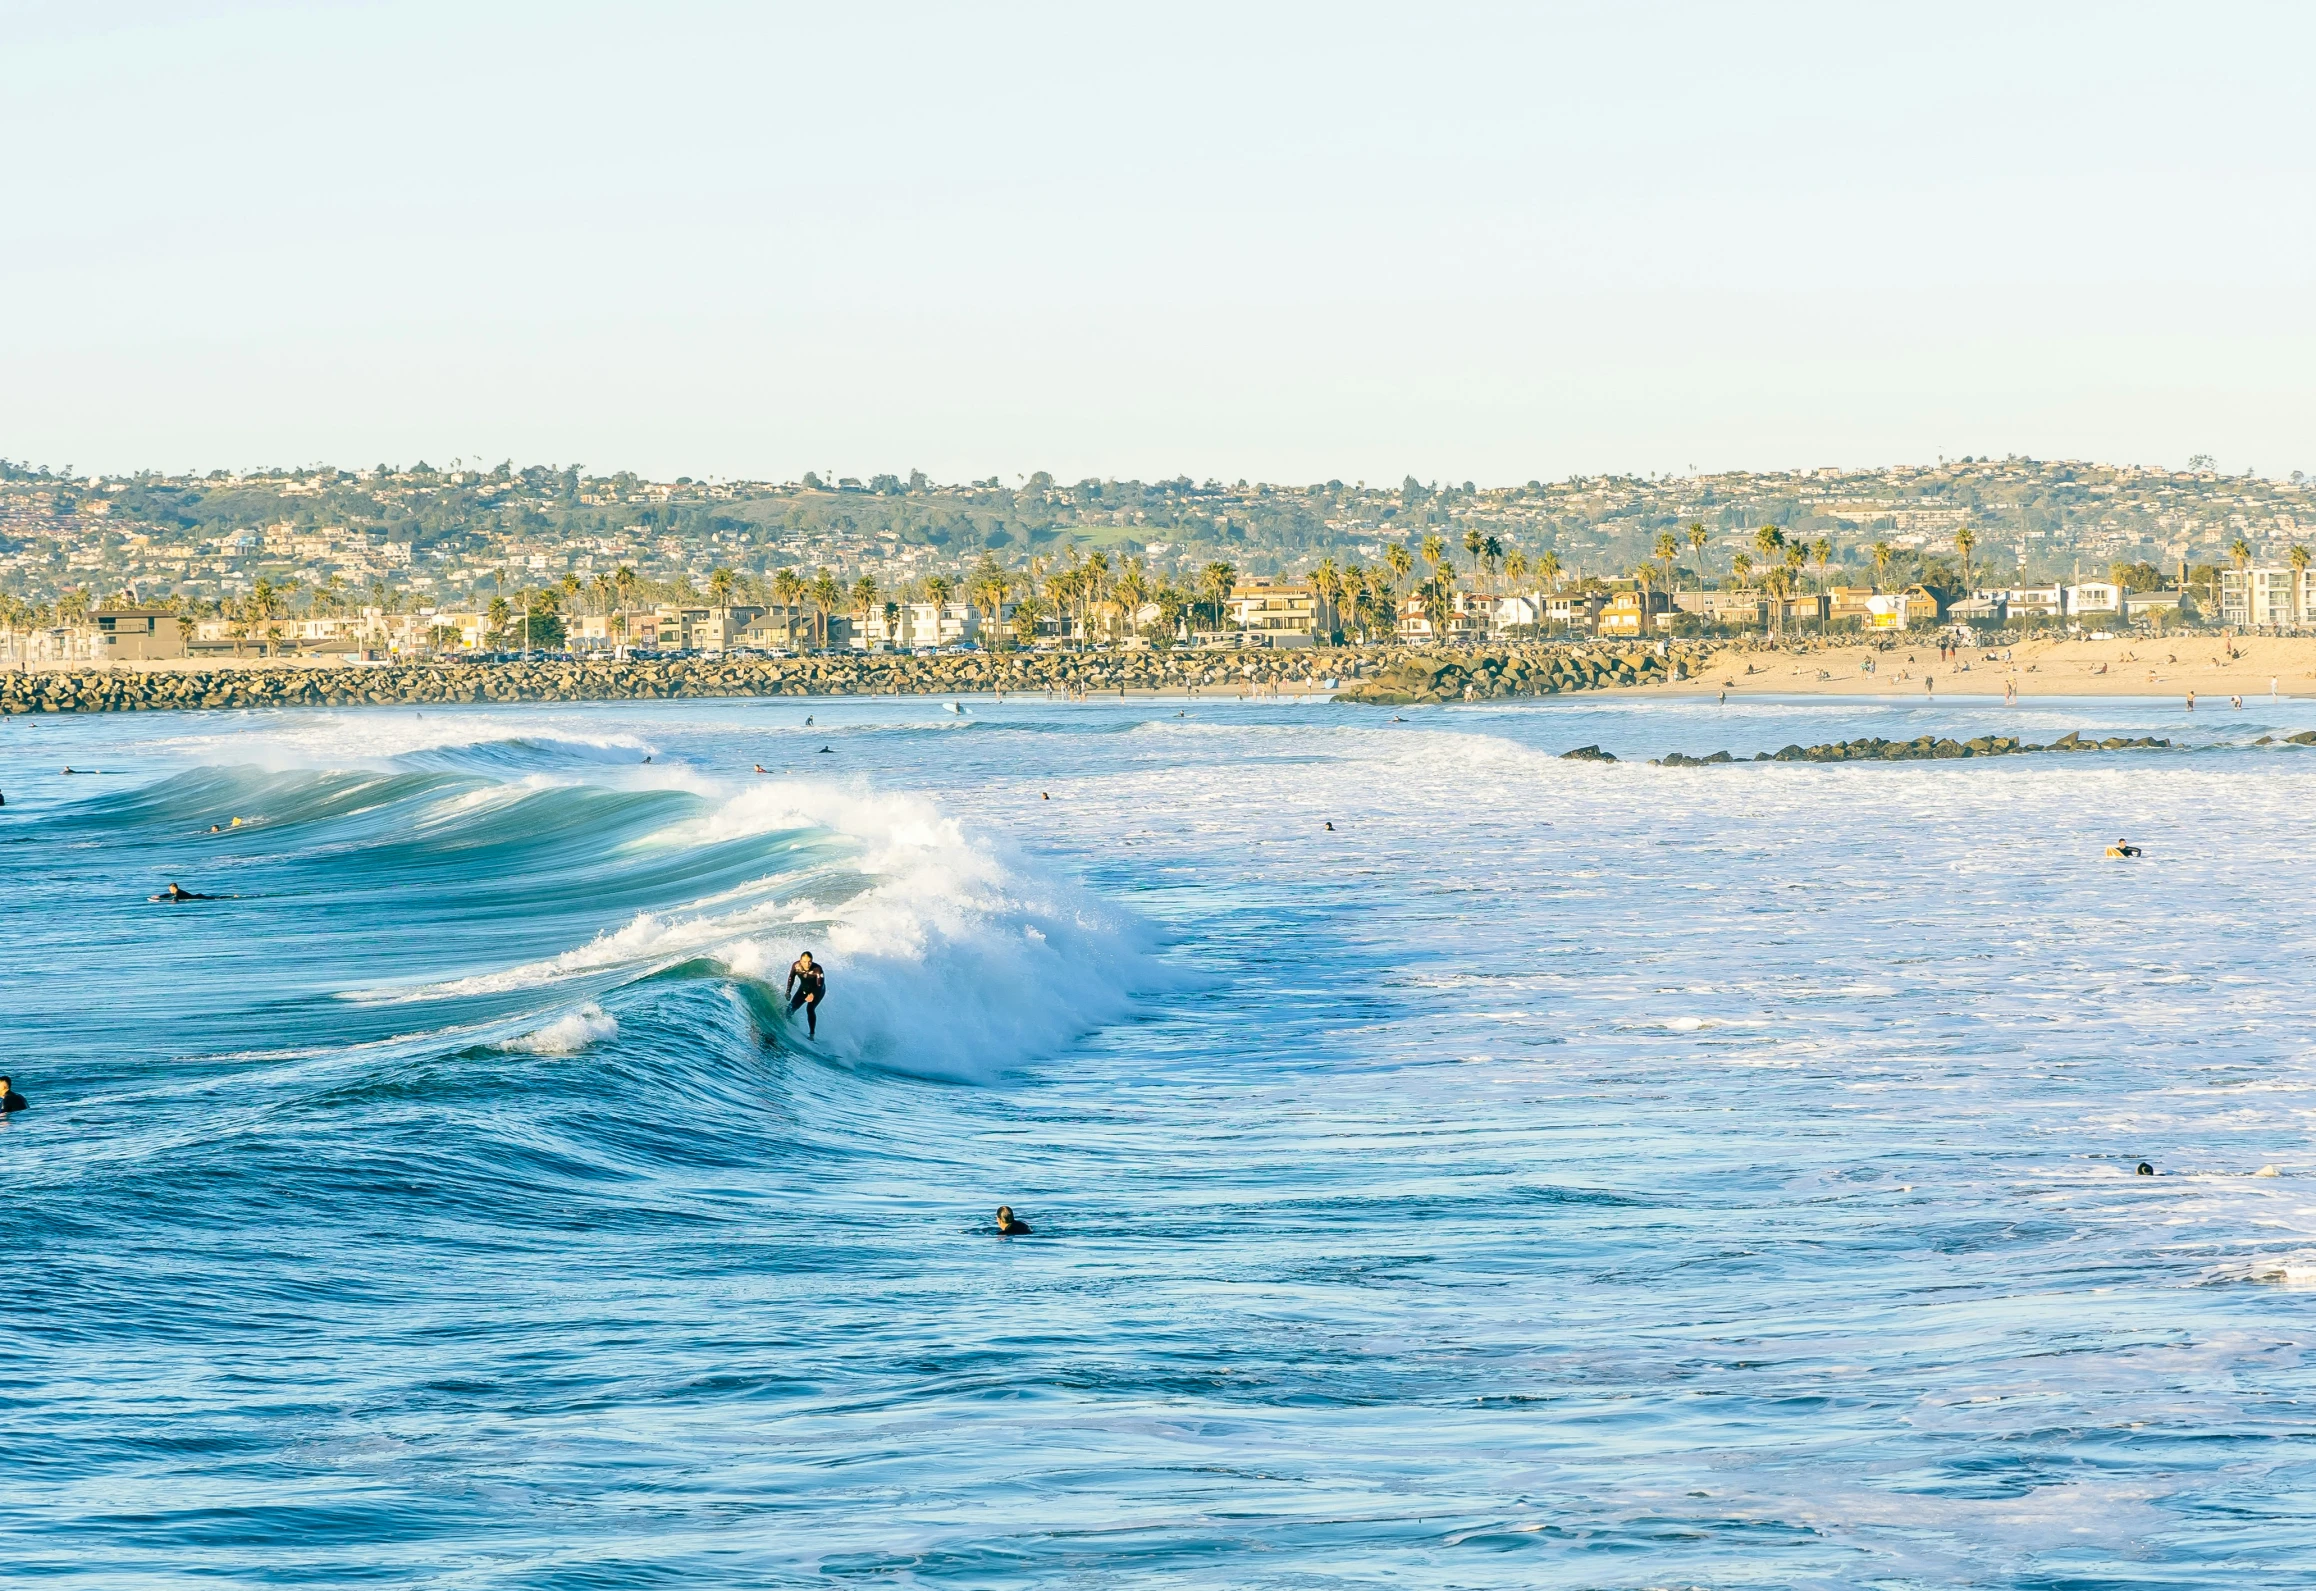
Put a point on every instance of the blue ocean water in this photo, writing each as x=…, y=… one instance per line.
x=1555, y=1174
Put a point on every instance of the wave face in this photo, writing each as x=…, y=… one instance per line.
x=1553, y=1174
x=477, y=885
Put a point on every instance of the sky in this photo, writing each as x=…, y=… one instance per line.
x=1280, y=242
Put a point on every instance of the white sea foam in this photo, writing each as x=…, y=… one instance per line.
x=947, y=956
x=570, y=1033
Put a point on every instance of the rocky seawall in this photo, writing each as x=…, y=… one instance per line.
x=1375, y=675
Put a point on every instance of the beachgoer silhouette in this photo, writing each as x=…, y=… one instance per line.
x=807, y=987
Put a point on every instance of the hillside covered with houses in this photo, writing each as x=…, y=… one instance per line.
x=418, y=560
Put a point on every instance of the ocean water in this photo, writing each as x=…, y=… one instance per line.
x=1555, y=1174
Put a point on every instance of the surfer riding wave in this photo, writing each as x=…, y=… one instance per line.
x=807, y=987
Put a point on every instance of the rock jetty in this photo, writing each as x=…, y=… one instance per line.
x=1922, y=748
x=1378, y=675
x=1413, y=677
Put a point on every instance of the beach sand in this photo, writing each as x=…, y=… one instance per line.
x=2128, y=666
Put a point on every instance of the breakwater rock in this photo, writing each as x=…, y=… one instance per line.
x=1415, y=677
x=1378, y=674
x=121, y=690
x=1922, y=748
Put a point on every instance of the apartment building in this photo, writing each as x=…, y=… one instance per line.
x=1282, y=612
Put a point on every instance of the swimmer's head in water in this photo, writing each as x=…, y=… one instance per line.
x=2145, y=1169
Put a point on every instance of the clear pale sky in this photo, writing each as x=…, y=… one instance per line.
x=1285, y=242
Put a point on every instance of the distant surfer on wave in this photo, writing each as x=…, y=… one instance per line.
x=177, y=892
x=807, y=987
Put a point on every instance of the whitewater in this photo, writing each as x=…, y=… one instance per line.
x=1555, y=1173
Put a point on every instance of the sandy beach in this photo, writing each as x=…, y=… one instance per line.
x=2127, y=666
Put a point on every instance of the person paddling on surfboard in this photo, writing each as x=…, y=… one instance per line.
x=176, y=893
x=807, y=987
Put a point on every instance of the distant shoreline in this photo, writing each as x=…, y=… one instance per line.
x=2151, y=669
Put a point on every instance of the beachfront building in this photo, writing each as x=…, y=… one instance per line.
x=134, y=635
x=905, y=626
x=1520, y=612
x=1578, y=611
x=2043, y=602
x=2157, y=605
x=2266, y=598
x=2095, y=600
x=1980, y=610
x=1281, y=612
x=1808, y=608
x=1745, y=609
x=1850, y=602
x=1632, y=612
x=1467, y=619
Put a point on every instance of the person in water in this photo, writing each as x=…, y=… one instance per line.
x=807, y=987
x=2124, y=848
x=176, y=892
x=1009, y=1224
x=10, y=1100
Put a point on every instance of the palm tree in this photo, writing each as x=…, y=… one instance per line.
x=1668, y=548
x=2299, y=561
x=1491, y=556
x=1515, y=566
x=987, y=588
x=1434, y=550
x=1094, y=581
x=788, y=592
x=1548, y=569
x=1134, y=590
x=1642, y=574
x=2240, y=554
x=1475, y=545
x=1698, y=536
x=826, y=596
x=1741, y=567
x=1217, y=580
x=864, y=603
x=1769, y=541
x=719, y=588
x=1777, y=583
x=1821, y=550
x=938, y=591
x=1883, y=553
x=1438, y=595
x=1327, y=586
x=1381, y=598
x=1401, y=563
x=1965, y=543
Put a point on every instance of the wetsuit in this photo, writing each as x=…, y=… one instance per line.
x=12, y=1101
x=808, y=986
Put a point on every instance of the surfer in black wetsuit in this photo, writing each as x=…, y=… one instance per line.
x=10, y=1100
x=177, y=893
x=807, y=987
x=1008, y=1224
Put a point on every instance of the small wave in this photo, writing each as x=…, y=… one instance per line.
x=569, y=1034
